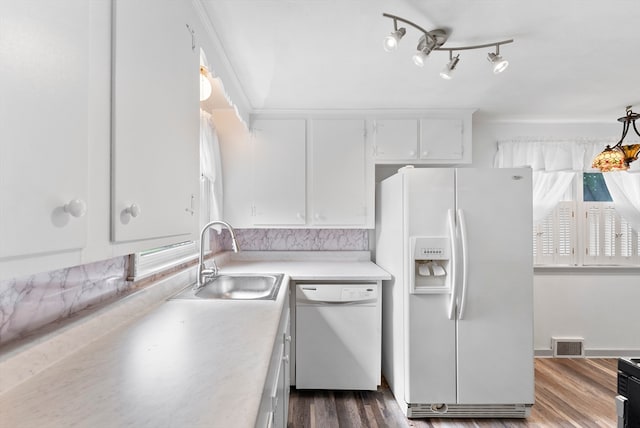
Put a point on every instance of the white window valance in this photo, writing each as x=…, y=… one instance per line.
x=549, y=155
x=556, y=162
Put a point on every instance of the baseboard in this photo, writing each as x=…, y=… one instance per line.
x=593, y=353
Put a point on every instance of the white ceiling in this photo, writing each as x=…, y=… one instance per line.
x=571, y=59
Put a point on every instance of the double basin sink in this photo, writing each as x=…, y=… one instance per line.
x=248, y=286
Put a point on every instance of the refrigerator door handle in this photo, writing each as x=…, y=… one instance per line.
x=454, y=254
x=465, y=261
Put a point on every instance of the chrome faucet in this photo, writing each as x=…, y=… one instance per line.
x=204, y=272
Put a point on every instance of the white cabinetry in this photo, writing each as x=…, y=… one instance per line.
x=306, y=172
x=395, y=139
x=338, y=173
x=443, y=138
x=44, y=130
x=155, y=116
x=274, y=406
x=279, y=154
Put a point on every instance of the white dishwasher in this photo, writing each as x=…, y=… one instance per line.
x=338, y=334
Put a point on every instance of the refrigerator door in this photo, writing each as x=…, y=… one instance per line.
x=430, y=334
x=495, y=331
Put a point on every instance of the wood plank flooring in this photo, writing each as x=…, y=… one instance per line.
x=569, y=393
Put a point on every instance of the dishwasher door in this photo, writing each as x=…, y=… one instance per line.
x=338, y=336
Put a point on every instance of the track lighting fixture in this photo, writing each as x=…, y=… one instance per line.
x=499, y=64
x=618, y=157
x=427, y=43
x=448, y=69
x=434, y=40
x=391, y=41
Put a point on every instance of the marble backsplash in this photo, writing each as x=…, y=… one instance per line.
x=294, y=240
x=31, y=302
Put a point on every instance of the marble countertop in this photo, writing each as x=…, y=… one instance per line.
x=183, y=363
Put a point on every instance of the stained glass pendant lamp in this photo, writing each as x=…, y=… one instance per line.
x=618, y=157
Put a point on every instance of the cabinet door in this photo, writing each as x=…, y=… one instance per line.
x=396, y=139
x=279, y=171
x=155, y=120
x=338, y=172
x=44, y=70
x=441, y=138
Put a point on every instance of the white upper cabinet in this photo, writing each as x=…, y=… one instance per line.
x=441, y=139
x=44, y=78
x=433, y=138
x=279, y=154
x=338, y=173
x=155, y=112
x=395, y=139
x=301, y=172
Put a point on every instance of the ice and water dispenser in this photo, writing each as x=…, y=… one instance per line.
x=430, y=264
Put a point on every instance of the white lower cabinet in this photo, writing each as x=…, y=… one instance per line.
x=274, y=406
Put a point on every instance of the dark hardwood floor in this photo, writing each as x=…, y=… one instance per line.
x=569, y=393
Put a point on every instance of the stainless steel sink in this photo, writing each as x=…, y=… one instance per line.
x=248, y=286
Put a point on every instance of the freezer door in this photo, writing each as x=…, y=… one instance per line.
x=430, y=338
x=495, y=332
x=431, y=341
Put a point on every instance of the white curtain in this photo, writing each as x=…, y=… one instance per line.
x=548, y=189
x=210, y=169
x=625, y=192
x=555, y=163
x=554, y=167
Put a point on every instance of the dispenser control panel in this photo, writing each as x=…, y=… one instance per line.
x=431, y=251
x=431, y=248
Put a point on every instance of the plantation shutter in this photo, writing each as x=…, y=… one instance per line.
x=554, y=237
x=610, y=239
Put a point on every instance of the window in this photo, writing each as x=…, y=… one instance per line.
x=585, y=229
x=147, y=263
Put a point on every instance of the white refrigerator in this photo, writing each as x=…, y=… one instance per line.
x=457, y=337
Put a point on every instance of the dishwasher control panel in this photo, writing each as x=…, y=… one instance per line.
x=358, y=293
x=337, y=293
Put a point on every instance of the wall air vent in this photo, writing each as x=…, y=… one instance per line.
x=569, y=347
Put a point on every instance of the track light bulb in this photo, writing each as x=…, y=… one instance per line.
x=499, y=64
x=446, y=73
x=419, y=58
x=391, y=41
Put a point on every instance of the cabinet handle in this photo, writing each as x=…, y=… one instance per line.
x=134, y=210
x=300, y=216
x=76, y=208
x=425, y=153
x=285, y=359
x=288, y=338
x=412, y=153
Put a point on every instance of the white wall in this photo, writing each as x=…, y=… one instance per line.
x=600, y=306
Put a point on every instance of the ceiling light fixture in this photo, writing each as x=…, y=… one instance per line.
x=499, y=64
x=448, y=69
x=391, y=41
x=618, y=157
x=427, y=43
x=434, y=40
